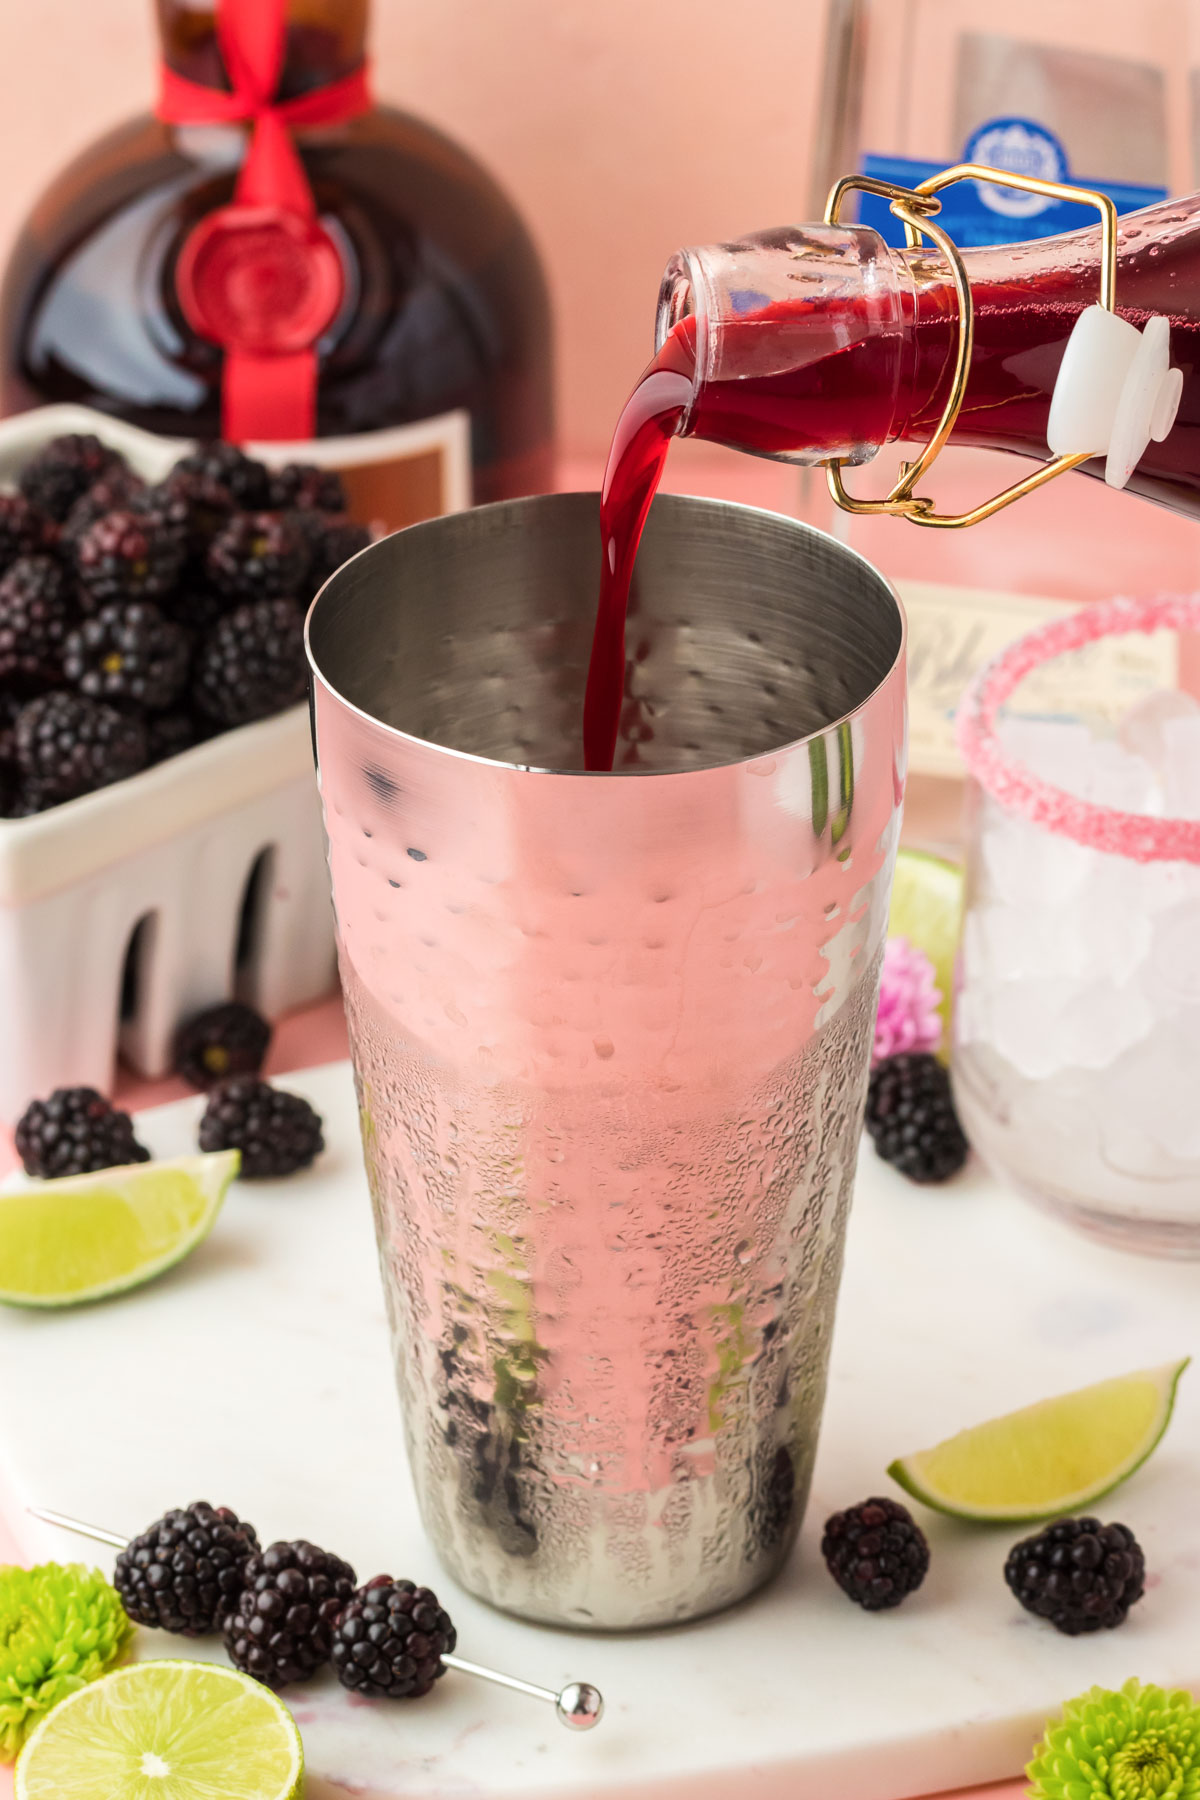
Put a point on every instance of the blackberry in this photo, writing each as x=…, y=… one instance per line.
x=196, y=504
x=911, y=1117
x=251, y=663
x=277, y=1133
x=1079, y=1574
x=119, y=489
x=19, y=799
x=231, y=1039
x=194, y=605
x=10, y=705
x=248, y=481
x=130, y=655
x=280, y=1629
x=36, y=612
x=308, y=489
x=876, y=1553
x=25, y=530
x=169, y=518
x=169, y=733
x=259, y=556
x=184, y=1572
x=69, y=745
x=64, y=469
x=334, y=543
x=311, y=528
x=75, y=1132
x=127, y=555
x=389, y=1641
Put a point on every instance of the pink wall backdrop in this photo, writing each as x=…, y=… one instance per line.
x=621, y=129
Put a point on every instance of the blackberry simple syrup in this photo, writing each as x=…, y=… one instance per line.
x=377, y=261
x=813, y=342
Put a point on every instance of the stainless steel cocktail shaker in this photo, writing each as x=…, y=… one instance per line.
x=611, y=1032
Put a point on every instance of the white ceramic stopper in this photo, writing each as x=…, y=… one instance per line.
x=1115, y=391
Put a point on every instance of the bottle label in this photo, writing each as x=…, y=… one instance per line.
x=977, y=213
x=953, y=631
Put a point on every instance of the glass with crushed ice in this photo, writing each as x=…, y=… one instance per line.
x=1076, y=1055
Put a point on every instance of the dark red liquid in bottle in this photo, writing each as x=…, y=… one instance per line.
x=793, y=384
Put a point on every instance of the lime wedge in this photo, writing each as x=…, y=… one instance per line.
x=165, y=1731
x=1055, y=1457
x=927, y=899
x=91, y=1235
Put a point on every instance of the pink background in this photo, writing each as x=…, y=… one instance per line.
x=621, y=130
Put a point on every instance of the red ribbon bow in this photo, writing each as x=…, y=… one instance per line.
x=262, y=277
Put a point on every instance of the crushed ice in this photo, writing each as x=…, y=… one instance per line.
x=1080, y=970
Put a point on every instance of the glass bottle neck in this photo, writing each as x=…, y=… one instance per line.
x=816, y=342
x=324, y=40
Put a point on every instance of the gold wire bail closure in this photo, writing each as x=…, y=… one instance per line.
x=915, y=208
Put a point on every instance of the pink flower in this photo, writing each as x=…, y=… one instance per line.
x=908, y=1017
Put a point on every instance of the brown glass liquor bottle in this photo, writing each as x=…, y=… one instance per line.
x=416, y=297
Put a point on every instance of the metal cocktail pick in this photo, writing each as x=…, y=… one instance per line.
x=579, y=1705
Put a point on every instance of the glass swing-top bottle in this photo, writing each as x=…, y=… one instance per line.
x=1088, y=91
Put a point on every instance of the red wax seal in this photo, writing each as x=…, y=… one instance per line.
x=259, y=280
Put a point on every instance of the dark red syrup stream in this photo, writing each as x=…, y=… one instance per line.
x=808, y=405
x=650, y=418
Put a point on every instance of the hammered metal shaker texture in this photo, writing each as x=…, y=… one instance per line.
x=611, y=1032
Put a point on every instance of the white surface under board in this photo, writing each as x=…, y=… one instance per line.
x=257, y=1375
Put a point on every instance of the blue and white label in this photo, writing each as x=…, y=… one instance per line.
x=1024, y=149
x=982, y=212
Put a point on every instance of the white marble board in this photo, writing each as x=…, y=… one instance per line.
x=257, y=1375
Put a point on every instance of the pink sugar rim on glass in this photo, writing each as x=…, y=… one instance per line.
x=1132, y=835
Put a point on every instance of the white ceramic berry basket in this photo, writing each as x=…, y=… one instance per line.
x=199, y=879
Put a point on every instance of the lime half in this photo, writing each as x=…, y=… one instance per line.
x=165, y=1731
x=1055, y=1457
x=91, y=1235
x=927, y=899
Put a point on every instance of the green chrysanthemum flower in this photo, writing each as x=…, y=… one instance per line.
x=59, y=1628
x=1141, y=1743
